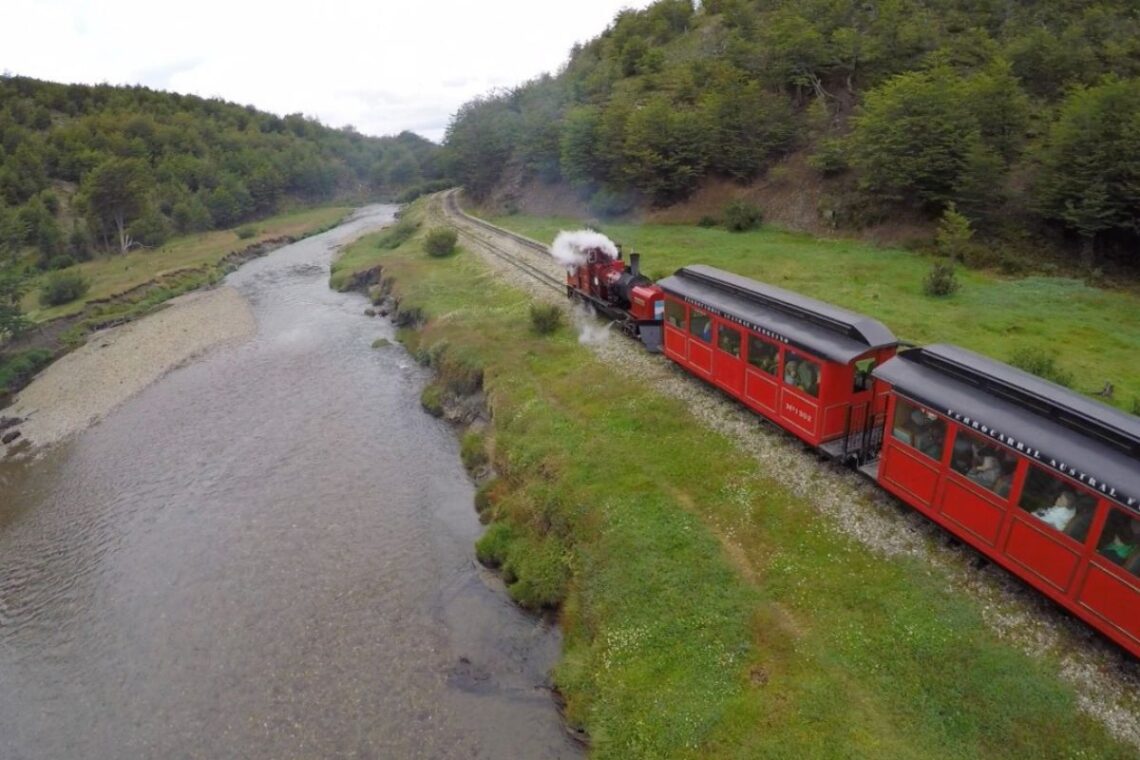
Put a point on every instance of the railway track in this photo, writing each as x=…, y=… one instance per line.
x=451, y=209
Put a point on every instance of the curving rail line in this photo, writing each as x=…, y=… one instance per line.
x=451, y=208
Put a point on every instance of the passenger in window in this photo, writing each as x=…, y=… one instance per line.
x=1060, y=512
x=807, y=377
x=791, y=370
x=1121, y=538
x=987, y=472
x=1004, y=482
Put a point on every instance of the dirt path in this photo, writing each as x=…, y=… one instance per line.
x=1106, y=680
x=115, y=364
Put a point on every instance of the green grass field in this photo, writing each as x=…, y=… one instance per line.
x=111, y=275
x=708, y=612
x=1095, y=333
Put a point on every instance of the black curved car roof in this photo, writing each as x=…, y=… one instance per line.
x=821, y=328
x=1063, y=430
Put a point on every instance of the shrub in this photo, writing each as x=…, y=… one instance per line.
x=1136, y=406
x=424, y=188
x=246, y=232
x=707, y=221
x=940, y=280
x=954, y=233
x=545, y=318
x=394, y=236
x=63, y=287
x=473, y=451
x=741, y=216
x=441, y=242
x=17, y=369
x=1041, y=363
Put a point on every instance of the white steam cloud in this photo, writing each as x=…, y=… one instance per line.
x=591, y=332
x=569, y=248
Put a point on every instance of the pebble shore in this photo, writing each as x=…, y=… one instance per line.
x=82, y=387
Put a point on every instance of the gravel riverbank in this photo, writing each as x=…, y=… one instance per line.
x=115, y=364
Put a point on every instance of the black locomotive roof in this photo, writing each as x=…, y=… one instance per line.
x=1089, y=441
x=821, y=328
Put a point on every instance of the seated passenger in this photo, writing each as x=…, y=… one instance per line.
x=1060, y=512
x=790, y=372
x=1004, y=482
x=987, y=472
x=1123, y=541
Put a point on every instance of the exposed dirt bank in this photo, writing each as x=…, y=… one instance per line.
x=115, y=364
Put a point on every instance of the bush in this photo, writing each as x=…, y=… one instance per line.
x=441, y=242
x=1136, y=406
x=545, y=318
x=741, y=216
x=1041, y=363
x=831, y=158
x=424, y=188
x=17, y=369
x=63, y=287
x=246, y=232
x=707, y=221
x=394, y=236
x=940, y=280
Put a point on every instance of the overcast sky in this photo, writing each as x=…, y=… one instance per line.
x=382, y=66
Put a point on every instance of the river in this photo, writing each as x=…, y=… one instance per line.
x=266, y=554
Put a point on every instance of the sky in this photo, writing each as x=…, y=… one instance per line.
x=381, y=66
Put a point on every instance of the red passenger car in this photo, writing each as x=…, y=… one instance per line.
x=1042, y=480
x=804, y=364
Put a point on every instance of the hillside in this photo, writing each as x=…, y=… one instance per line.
x=1022, y=114
x=98, y=169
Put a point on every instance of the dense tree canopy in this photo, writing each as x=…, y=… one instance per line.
x=107, y=167
x=920, y=102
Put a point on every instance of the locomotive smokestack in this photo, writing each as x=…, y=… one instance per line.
x=634, y=263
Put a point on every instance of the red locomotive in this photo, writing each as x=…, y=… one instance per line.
x=597, y=275
x=1041, y=480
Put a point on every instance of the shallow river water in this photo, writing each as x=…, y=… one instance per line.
x=266, y=554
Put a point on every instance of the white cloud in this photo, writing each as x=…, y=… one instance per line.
x=382, y=66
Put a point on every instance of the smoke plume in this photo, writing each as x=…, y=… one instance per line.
x=591, y=332
x=569, y=248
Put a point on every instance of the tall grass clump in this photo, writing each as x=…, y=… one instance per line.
x=545, y=318
x=63, y=287
x=1042, y=363
x=394, y=236
x=440, y=242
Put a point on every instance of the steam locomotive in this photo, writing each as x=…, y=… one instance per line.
x=1041, y=480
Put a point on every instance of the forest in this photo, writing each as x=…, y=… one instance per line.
x=100, y=170
x=1024, y=115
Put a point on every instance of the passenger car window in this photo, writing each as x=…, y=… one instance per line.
x=728, y=340
x=675, y=314
x=1120, y=540
x=801, y=373
x=763, y=355
x=919, y=429
x=700, y=326
x=984, y=462
x=1057, y=504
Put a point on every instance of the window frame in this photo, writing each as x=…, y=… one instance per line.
x=1129, y=565
x=911, y=445
x=720, y=328
x=791, y=355
x=1009, y=456
x=1055, y=482
x=754, y=339
x=684, y=322
x=694, y=312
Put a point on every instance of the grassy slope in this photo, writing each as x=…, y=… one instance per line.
x=112, y=275
x=1095, y=332
x=708, y=612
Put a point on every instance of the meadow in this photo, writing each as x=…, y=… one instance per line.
x=1093, y=333
x=707, y=611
